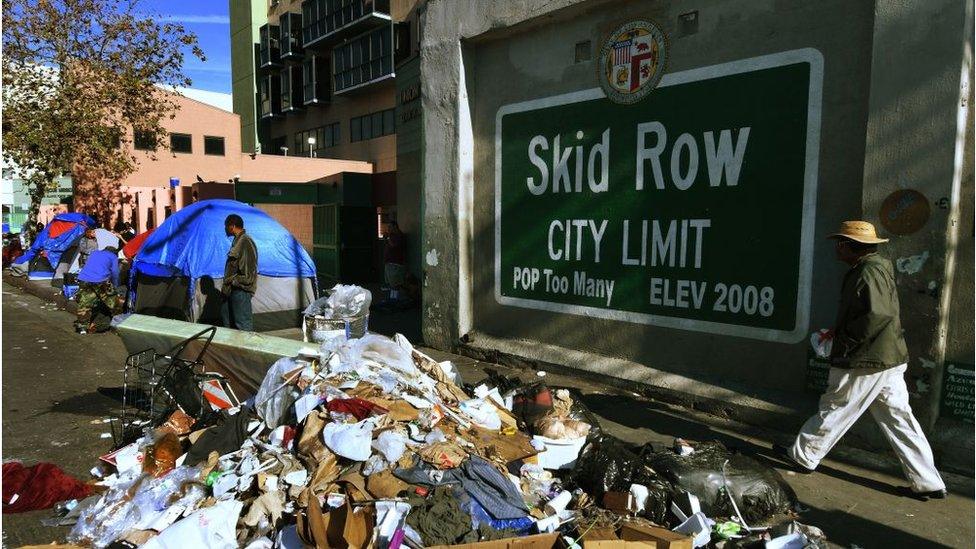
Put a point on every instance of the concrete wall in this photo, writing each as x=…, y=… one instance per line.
x=244, y=15
x=881, y=124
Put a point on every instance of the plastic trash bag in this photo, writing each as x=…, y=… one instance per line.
x=482, y=413
x=274, y=398
x=139, y=502
x=350, y=440
x=391, y=444
x=380, y=350
x=343, y=301
x=822, y=342
x=605, y=464
x=712, y=473
x=212, y=527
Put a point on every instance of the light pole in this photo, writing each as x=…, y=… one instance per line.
x=311, y=146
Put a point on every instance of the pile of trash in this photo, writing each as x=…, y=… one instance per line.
x=373, y=443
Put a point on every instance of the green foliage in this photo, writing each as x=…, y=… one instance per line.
x=78, y=75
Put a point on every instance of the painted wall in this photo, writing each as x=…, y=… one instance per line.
x=883, y=129
x=245, y=17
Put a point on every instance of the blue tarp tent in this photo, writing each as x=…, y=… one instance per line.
x=179, y=270
x=59, y=236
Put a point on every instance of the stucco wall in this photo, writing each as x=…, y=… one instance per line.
x=479, y=57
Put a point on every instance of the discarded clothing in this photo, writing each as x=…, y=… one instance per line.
x=439, y=519
x=480, y=479
x=359, y=408
x=39, y=486
x=223, y=438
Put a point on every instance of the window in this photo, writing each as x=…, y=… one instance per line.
x=372, y=125
x=315, y=76
x=213, y=145
x=325, y=137
x=143, y=141
x=180, y=143
x=363, y=59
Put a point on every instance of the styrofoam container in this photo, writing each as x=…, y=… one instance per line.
x=559, y=454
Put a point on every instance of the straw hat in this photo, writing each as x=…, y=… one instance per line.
x=860, y=231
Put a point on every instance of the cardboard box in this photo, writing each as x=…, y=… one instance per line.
x=607, y=538
x=666, y=539
x=621, y=503
x=538, y=541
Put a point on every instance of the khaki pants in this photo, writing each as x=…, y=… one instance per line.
x=850, y=394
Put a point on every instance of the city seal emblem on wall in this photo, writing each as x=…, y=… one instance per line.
x=632, y=61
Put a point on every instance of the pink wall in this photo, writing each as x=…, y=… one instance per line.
x=151, y=178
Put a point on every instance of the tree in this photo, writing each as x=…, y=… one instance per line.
x=78, y=76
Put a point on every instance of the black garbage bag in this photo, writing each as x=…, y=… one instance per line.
x=712, y=473
x=605, y=464
x=659, y=490
x=608, y=464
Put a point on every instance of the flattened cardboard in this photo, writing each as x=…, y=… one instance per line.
x=342, y=528
x=538, y=541
x=666, y=539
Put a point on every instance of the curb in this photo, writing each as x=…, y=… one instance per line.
x=45, y=292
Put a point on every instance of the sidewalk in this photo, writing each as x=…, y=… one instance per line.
x=853, y=504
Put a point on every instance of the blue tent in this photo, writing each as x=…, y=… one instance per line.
x=179, y=269
x=60, y=235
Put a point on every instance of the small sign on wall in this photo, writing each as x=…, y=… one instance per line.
x=957, y=391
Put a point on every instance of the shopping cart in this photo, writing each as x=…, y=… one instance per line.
x=155, y=384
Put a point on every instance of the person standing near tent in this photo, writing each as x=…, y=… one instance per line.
x=87, y=245
x=97, y=283
x=868, y=361
x=240, y=276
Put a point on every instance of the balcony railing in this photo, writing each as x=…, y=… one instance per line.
x=269, y=50
x=291, y=89
x=326, y=22
x=364, y=60
x=269, y=94
x=316, y=79
x=291, y=36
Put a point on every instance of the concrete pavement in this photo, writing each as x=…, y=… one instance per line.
x=58, y=386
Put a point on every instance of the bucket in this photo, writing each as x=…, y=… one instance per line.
x=319, y=329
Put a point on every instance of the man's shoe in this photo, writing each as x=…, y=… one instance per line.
x=906, y=491
x=784, y=453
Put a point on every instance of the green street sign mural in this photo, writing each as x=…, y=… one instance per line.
x=691, y=209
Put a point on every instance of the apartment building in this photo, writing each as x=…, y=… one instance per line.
x=318, y=79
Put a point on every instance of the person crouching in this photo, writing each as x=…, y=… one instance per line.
x=98, y=297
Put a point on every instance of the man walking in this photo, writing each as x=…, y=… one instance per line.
x=240, y=276
x=868, y=362
x=98, y=299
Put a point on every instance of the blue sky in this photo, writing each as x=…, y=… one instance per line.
x=209, y=20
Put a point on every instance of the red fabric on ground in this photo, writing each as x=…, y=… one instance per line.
x=133, y=246
x=38, y=487
x=57, y=228
x=358, y=407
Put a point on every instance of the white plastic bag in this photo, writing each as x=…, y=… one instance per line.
x=822, y=342
x=381, y=350
x=212, y=527
x=481, y=412
x=350, y=440
x=275, y=397
x=391, y=444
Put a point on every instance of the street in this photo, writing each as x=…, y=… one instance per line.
x=58, y=388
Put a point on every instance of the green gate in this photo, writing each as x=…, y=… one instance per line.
x=325, y=248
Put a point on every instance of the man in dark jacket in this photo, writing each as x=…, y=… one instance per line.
x=868, y=362
x=240, y=276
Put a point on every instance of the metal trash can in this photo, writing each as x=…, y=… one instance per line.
x=319, y=328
